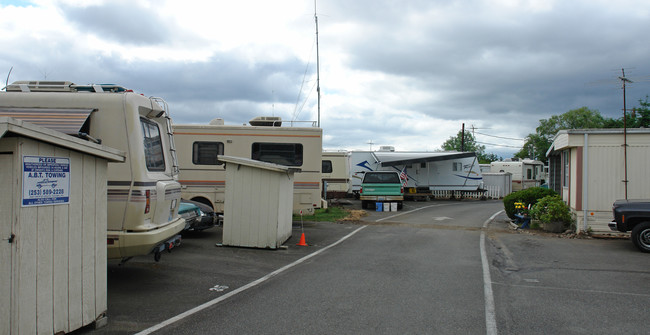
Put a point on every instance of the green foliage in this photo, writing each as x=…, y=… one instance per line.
x=330, y=214
x=454, y=143
x=551, y=209
x=529, y=196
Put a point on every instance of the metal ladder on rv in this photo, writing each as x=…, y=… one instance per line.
x=170, y=135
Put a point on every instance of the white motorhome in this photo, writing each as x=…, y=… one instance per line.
x=203, y=176
x=336, y=174
x=525, y=173
x=143, y=192
x=444, y=171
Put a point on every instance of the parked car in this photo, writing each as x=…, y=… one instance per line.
x=198, y=216
x=381, y=186
x=634, y=216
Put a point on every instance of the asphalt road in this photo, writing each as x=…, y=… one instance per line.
x=420, y=270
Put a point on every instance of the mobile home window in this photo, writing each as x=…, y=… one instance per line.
x=327, y=167
x=565, y=157
x=529, y=173
x=423, y=165
x=206, y=153
x=289, y=154
x=153, y=149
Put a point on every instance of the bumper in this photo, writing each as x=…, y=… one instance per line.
x=201, y=222
x=382, y=197
x=612, y=225
x=129, y=244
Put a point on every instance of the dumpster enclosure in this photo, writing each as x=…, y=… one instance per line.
x=258, y=203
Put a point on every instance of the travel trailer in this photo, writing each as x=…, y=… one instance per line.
x=143, y=192
x=336, y=174
x=525, y=173
x=203, y=176
x=435, y=171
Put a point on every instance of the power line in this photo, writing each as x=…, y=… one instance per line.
x=501, y=145
x=505, y=138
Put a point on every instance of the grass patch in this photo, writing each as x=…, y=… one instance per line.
x=330, y=214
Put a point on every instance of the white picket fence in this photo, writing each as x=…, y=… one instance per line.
x=492, y=192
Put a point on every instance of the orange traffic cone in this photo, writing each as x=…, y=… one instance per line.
x=302, y=242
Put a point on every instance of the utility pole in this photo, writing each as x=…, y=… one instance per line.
x=317, y=64
x=625, y=81
x=462, y=139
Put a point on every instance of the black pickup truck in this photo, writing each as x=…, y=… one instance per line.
x=633, y=215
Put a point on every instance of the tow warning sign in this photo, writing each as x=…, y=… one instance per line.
x=46, y=180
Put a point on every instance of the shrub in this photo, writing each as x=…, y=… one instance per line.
x=552, y=209
x=528, y=196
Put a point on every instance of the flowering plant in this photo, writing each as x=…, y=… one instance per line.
x=521, y=208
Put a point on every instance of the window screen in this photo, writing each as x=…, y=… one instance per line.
x=289, y=154
x=206, y=153
x=327, y=167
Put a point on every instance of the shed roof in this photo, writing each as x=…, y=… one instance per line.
x=9, y=125
x=258, y=164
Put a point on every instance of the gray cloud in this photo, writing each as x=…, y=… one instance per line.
x=120, y=21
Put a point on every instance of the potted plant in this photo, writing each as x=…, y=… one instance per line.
x=553, y=213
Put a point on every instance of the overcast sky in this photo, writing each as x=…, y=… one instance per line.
x=406, y=73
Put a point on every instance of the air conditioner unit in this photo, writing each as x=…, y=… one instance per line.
x=266, y=121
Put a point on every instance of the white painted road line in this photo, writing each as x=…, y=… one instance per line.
x=411, y=211
x=490, y=314
x=243, y=288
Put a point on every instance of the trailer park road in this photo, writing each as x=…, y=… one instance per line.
x=436, y=267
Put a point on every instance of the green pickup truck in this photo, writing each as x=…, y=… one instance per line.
x=381, y=186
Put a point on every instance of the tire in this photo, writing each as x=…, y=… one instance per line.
x=364, y=204
x=641, y=236
x=399, y=205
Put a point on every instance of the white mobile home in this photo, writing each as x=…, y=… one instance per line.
x=591, y=168
x=444, y=171
x=336, y=174
x=143, y=193
x=203, y=176
x=525, y=173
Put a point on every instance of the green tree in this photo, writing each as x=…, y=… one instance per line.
x=640, y=116
x=454, y=143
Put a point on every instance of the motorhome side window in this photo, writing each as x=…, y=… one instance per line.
x=153, y=149
x=289, y=154
x=206, y=153
x=327, y=167
x=457, y=166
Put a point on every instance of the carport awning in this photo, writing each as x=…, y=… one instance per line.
x=389, y=159
x=68, y=121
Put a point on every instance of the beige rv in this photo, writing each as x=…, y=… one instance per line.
x=336, y=174
x=143, y=192
x=203, y=177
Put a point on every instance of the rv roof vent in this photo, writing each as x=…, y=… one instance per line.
x=217, y=122
x=40, y=86
x=266, y=121
x=387, y=148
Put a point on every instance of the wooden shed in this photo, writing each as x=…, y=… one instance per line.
x=258, y=203
x=52, y=229
x=592, y=168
